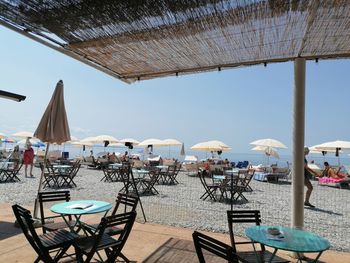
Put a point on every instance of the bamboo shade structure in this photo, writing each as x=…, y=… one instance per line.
x=140, y=40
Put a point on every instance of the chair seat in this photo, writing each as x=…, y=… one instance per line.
x=56, y=238
x=59, y=225
x=264, y=256
x=111, y=231
x=86, y=243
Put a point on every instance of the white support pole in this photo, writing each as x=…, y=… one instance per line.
x=298, y=144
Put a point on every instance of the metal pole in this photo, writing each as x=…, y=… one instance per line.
x=298, y=144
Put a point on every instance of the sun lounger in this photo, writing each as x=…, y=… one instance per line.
x=271, y=177
x=340, y=183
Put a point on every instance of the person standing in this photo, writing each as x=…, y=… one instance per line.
x=28, y=158
x=16, y=157
x=308, y=172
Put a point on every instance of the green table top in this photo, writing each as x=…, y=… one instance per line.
x=92, y=207
x=290, y=239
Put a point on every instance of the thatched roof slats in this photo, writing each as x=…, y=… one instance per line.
x=151, y=38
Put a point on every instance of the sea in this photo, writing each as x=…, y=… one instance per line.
x=254, y=158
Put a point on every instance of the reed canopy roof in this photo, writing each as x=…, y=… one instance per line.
x=151, y=38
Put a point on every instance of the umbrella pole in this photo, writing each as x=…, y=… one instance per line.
x=40, y=182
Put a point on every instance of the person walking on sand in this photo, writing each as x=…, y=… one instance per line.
x=308, y=172
x=28, y=158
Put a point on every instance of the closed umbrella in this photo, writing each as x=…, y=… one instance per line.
x=53, y=126
x=182, y=152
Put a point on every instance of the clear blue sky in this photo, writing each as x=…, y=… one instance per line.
x=236, y=106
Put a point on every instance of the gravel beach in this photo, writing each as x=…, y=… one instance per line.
x=179, y=205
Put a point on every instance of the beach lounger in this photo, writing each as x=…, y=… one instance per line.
x=339, y=183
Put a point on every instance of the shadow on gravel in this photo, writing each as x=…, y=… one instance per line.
x=323, y=211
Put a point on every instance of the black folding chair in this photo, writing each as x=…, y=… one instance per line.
x=50, y=247
x=10, y=175
x=210, y=189
x=215, y=247
x=49, y=197
x=68, y=178
x=87, y=247
x=252, y=217
x=147, y=184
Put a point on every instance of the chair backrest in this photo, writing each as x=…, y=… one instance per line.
x=123, y=221
x=214, y=246
x=201, y=175
x=129, y=201
x=239, y=217
x=46, y=197
x=137, y=164
x=248, y=177
x=25, y=220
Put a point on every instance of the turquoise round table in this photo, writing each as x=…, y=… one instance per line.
x=289, y=239
x=79, y=208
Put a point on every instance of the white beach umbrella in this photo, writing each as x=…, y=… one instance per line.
x=269, y=143
x=104, y=139
x=334, y=145
x=130, y=140
x=80, y=143
x=268, y=151
x=73, y=139
x=117, y=144
x=88, y=140
x=153, y=142
x=171, y=142
x=23, y=134
x=318, y=149
x=211, y=146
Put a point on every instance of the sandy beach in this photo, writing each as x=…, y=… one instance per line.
x=179, y=205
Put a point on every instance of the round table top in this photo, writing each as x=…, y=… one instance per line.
x=289, y=239
x=81, y=207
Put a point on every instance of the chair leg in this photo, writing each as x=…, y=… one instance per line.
x=124, y=257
